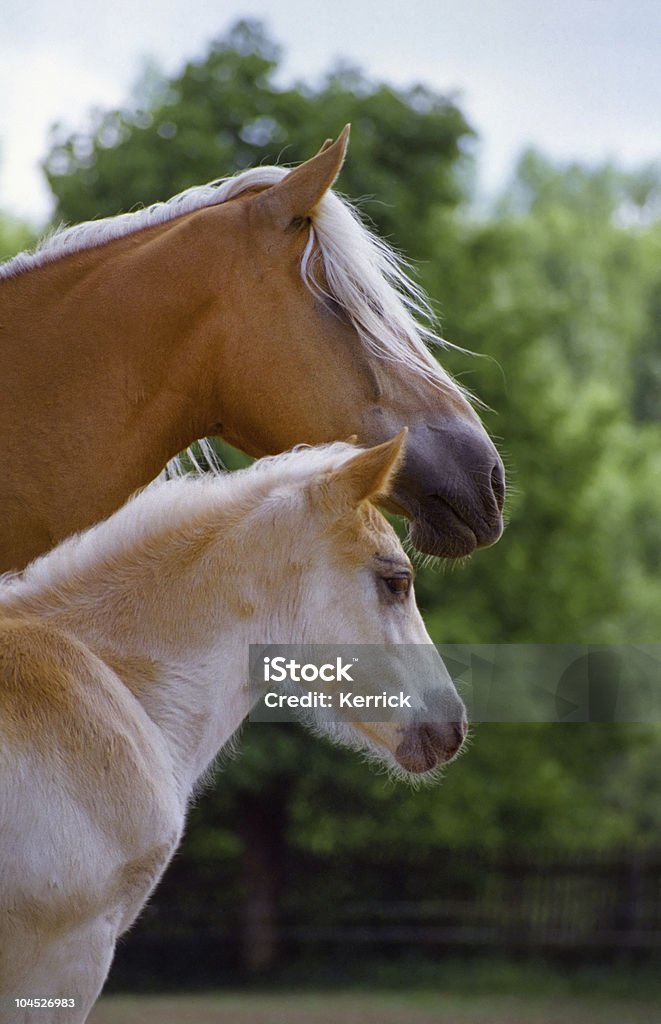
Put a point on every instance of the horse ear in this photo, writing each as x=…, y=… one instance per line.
x=370, y=472
x=299, y=192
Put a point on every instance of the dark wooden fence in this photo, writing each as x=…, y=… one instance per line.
x=594, y=906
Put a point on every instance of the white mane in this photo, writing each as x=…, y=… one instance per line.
x=365, y=276
x=177, y=506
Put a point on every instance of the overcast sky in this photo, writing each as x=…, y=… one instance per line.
x=578, y=78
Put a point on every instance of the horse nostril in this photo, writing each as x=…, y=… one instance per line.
x=498, y=484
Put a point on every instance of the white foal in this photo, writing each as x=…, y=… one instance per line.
x=123, y=673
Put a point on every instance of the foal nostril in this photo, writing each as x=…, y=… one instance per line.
x=446, y=738
x=428, y=744
x=498, y=484
x=454, y=734
x=460, y=729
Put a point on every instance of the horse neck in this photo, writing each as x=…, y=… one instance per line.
x=132, y=385
x=154, y=613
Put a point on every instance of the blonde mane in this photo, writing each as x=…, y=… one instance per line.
x=365, y=276
x=174, y=510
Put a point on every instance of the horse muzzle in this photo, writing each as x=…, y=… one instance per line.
x=452, y=489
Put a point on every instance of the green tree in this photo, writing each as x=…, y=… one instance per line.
x=560, y=293
x=225, y=112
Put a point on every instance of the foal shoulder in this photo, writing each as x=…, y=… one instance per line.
x=39, y=666
x=65, y=706
x=85, y=801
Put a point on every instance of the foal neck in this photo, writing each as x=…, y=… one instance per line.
x=157, y=593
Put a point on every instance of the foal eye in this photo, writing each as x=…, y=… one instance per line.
x=398, y=584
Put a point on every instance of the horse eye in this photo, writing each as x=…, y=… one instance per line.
x=298, y=223
x=398, y=584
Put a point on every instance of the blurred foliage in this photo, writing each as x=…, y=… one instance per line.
x=15, y=235
x=559, y=287
x=226, y=112
x=563, y=298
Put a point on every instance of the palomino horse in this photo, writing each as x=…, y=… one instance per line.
x=258, y=308
x=123, y=670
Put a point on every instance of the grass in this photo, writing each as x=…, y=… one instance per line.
x=414, y=990
x=416, y=1007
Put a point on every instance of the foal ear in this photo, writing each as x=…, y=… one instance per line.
x=370, y=473
x=299, y=192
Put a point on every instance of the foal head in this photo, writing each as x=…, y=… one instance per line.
x=350, y=582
